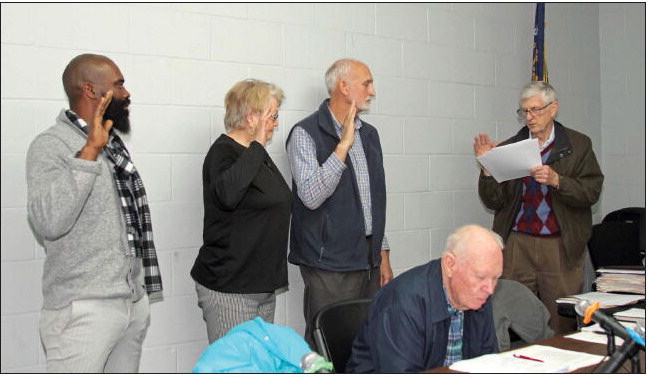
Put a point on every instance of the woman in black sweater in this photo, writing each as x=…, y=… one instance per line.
x=242, y=262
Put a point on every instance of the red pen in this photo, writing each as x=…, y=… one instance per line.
x=527, y=358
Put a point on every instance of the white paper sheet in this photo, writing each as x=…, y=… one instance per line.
x=556, y=360
x=621, y=271
x=594, y=337
x=609, y=300
x=512, y=161
x=634, y=313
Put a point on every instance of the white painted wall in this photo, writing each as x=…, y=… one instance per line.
x=443, y=73
x=623, y=104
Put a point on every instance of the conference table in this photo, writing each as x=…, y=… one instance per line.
x=574, y=345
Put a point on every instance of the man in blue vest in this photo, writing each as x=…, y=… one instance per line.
x=339, y=197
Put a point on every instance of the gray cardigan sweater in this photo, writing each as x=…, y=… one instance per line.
x=74, y=206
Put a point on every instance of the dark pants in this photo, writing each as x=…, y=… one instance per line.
x=322, y=288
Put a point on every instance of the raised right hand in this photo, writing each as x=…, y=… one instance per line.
x=261, y=129
x=483, y=144
x=348, y=133
x=98, y=130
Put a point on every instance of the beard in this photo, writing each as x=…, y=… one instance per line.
x=365, y=106
x=117, y=111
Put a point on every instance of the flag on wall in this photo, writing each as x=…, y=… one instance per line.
x=539, y=71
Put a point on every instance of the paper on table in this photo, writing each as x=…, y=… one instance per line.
x=594, y=337
x=556, y=360
x=632, y=313
x=512, y=161
x=609, y=300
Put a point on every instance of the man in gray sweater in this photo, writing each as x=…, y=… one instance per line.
x=87, y=202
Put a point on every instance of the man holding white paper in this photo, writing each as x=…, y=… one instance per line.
x=545, y=218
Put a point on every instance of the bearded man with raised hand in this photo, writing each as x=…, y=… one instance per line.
x=87, y=201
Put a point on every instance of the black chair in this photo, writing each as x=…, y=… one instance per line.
x=619, y=240
x=335, y=328
x=631, y=215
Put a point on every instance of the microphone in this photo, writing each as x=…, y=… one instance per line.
x=313, y=362
x=591, y=311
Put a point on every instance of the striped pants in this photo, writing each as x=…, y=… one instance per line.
x=222, y=311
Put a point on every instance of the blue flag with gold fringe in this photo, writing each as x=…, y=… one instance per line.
x=539, y=71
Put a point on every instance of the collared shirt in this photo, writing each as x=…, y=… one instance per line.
x=549, y=140
x=317, y=183
x=455, y=335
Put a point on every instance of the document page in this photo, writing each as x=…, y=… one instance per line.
x=594, y=336
x=609, y=300
x=512, y=161
x=547, y=360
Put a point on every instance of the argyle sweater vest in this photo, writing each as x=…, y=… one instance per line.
x=536, y=216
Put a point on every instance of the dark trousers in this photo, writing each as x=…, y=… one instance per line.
x=322, y=288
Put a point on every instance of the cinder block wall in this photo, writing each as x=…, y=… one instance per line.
x=443, y=72
x=623, y=104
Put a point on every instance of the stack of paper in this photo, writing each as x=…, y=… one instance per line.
x=621, y=280
x=631, y=314
x=606, y=300
x=531, y=359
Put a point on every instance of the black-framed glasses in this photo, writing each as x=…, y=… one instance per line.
x=535, y=111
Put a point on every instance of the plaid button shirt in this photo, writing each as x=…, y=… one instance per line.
x=317, y=183
x=455, y=336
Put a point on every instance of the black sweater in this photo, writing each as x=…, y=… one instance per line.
x=247, y=214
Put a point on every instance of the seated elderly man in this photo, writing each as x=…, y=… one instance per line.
x=435, y=314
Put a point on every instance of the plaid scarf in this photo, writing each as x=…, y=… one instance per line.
x=134, y=205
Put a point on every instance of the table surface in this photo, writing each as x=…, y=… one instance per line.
x=573, y=345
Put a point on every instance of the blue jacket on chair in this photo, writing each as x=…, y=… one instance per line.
x=254, y=347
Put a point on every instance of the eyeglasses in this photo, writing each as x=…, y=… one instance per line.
x=535, y=111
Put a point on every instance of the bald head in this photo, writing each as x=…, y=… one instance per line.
x=338, y=70
x=83, y=69
x=471, y=266
x=468, y=240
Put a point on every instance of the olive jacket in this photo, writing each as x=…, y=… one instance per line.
x=580, y=186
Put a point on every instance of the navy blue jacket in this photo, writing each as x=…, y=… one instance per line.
x=407, y=326
x=332, y=237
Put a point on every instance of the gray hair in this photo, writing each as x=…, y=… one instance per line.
x=541, y=88
x=246, y=97
x=455, y=241
x=336, y=71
